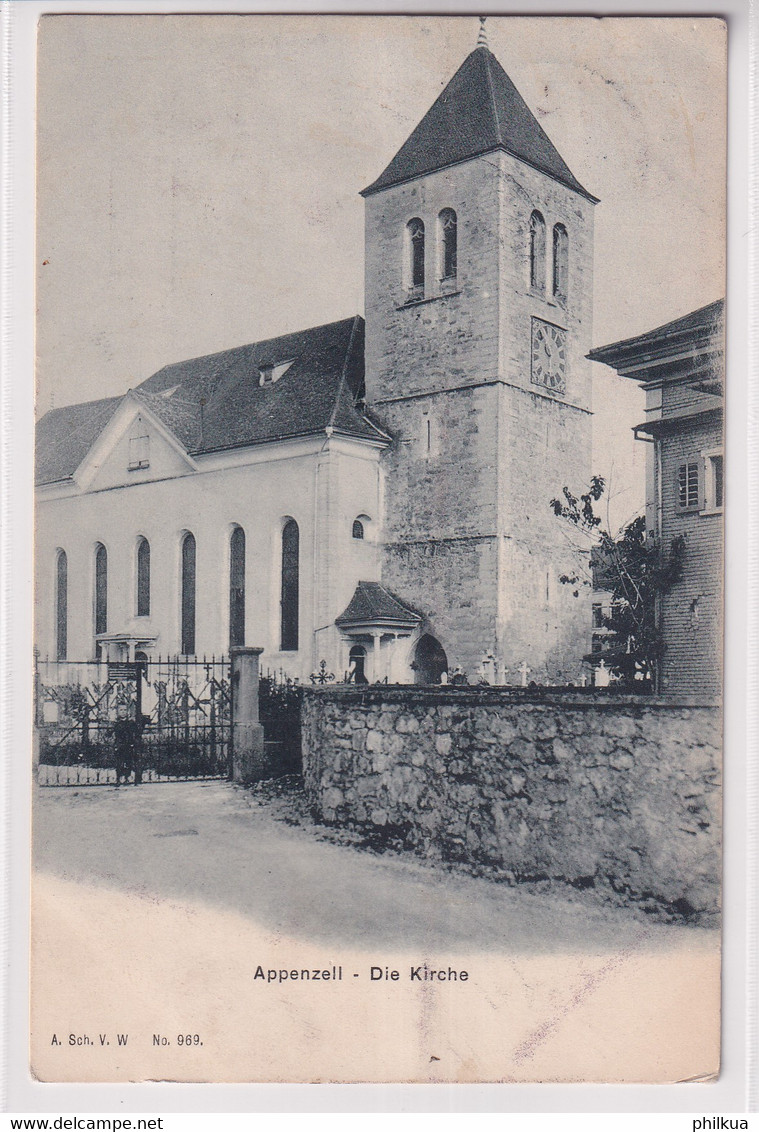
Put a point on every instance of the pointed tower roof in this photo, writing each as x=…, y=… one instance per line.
x=479, y=111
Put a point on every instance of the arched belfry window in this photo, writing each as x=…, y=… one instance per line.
x=447, y=224
x=415, y=252
x=358, y=529
x=537, y=252
x=237, y=588
x=61, y=605
x=188, y=595
x=101, y=589
x=560, y=263
x=143, y=577
x=290, y=569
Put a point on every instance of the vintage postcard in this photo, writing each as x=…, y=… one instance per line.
x=379, y=529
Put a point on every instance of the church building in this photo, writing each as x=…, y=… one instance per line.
x=374, y=493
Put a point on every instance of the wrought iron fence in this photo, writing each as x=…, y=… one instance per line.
x=181, y=705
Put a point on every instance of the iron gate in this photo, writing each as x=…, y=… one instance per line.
x=182, y=706
x=279, y=702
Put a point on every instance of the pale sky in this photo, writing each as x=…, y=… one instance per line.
x=199, y=178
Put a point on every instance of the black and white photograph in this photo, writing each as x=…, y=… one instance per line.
x=380, y=487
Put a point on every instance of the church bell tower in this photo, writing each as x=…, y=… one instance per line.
x=479, y=244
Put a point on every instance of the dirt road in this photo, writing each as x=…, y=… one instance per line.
x=155, y=906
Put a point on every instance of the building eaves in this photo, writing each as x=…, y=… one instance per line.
x=699, y=333
x=678, y=422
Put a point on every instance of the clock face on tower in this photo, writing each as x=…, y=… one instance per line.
x=549, y=356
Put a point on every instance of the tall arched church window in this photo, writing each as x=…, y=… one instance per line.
x=61, y=605
x=188, y=595
x=143, y=578
x=237, y=588
x=560, y=263
x=415, y=251
x=537, y=252
x=358, y=529
x=448, y=243
x=101, y=589
x=290, y=569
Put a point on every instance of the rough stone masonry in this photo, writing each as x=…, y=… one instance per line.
x=620, y=791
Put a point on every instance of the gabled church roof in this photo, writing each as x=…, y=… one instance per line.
x=374, y=606
x=479, y=111
x=64, y=437
x=217, y=402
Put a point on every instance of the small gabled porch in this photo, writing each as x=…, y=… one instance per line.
x=376, y=633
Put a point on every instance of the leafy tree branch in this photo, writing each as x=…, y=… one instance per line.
x=637, y=571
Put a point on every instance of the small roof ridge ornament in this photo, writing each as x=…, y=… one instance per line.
x=482, y=38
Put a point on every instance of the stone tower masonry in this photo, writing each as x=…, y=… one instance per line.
x=476, y=366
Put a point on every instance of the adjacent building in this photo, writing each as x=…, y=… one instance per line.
x=681, y=367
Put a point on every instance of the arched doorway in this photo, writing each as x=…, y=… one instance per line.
x=357, y=666
x=430, y=661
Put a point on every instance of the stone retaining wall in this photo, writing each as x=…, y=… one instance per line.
x=620, y=792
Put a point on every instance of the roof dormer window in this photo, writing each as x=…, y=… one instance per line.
x=269, y=373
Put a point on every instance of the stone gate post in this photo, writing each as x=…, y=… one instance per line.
x=247, y=732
